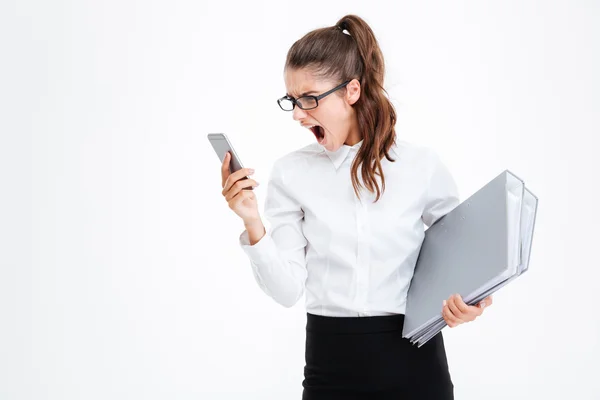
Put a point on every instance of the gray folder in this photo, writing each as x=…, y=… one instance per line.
x=474, y=250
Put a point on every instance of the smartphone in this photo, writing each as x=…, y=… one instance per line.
x=221, y=143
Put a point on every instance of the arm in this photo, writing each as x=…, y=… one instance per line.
x=442, y=193
x=277, y=257
x=442, y=197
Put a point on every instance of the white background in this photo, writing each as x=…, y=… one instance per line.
x=120, y=272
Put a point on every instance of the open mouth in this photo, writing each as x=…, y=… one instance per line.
x=318, y=132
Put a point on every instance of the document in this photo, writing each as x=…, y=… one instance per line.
x=474, y=250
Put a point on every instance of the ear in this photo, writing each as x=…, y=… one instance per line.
x=353, y=91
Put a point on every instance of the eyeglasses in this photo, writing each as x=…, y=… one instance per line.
x=287, y=103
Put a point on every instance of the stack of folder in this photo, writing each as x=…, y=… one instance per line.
x=474, y=250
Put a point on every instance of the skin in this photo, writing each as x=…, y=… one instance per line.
x=334, y=113
x=340, y=124
x=456, y=312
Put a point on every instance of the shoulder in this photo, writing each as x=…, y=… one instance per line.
x=423, y=161
x=416, y=155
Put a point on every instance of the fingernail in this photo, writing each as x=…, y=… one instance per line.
x=257, y=184
x=251, y=171
x=444, y=303
x=482, y=304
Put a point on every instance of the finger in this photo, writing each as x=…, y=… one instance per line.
x=241, y=173
x=484, y=303
x=450, y=319
x=469, y=313
x=462, y=306
x=225, y=168
x=456, y=311
x=475, y=311
x=239, y=186
x=488, y=301
x=240, y=197
x=236, y=176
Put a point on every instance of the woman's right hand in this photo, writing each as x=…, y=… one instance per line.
x=242, y=202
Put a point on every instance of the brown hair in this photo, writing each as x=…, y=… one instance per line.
x=332, y=54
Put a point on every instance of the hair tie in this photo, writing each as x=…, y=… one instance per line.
x=343, y=28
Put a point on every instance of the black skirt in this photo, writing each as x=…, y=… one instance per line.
x=367, y=358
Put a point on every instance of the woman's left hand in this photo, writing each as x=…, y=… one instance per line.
x=455, y=311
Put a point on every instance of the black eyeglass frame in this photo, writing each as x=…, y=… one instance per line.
x=316, y=98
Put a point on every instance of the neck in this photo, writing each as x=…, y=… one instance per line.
x=353, y=137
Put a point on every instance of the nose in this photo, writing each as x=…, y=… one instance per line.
x=299, y=113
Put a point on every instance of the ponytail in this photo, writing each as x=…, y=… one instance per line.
x=335, y=55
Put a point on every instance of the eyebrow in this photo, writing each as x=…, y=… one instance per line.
x=303, y=94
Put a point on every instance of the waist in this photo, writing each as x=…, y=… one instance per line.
x=372, y=324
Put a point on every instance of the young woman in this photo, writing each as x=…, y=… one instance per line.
x=351, y=251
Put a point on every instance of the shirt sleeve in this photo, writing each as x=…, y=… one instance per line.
x=278, y=259
x=442, y=194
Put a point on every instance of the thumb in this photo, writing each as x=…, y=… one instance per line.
x=225, y=169
x=485, y=302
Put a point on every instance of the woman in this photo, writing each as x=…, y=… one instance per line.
x=351, y=251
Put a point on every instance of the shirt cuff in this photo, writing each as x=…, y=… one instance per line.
x=261, y=252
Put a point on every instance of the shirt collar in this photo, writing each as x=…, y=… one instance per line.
x=338, y=157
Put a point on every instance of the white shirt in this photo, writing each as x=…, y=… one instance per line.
x=350, y=257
